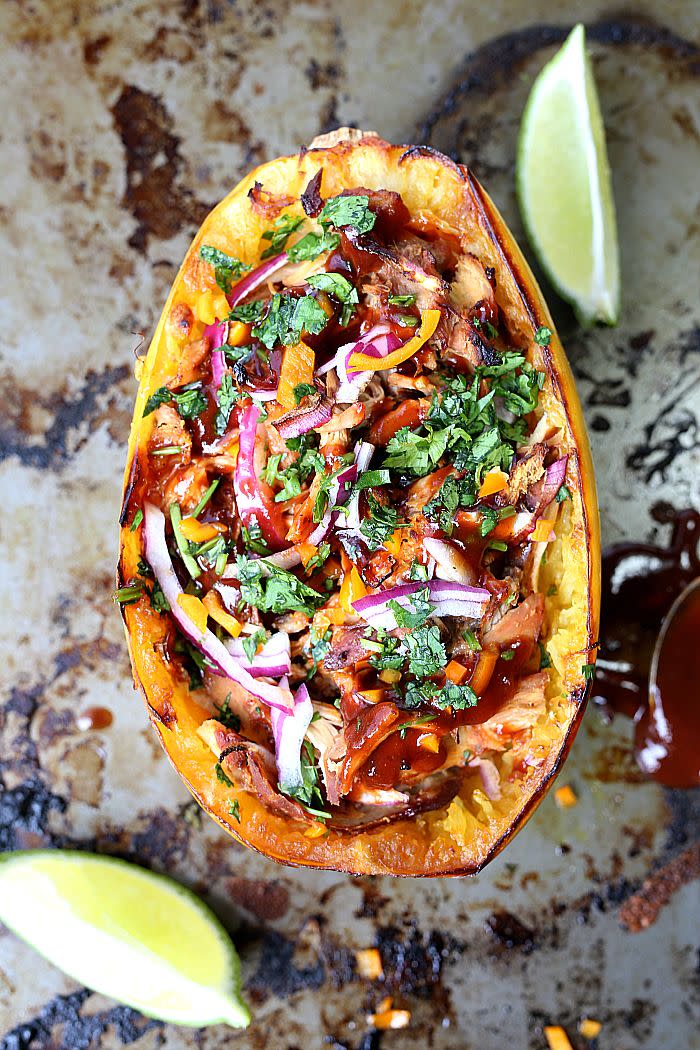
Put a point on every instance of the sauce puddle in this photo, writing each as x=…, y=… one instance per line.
x=640, y=584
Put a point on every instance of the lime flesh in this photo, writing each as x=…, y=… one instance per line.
x=564, y=185
x=137, y=937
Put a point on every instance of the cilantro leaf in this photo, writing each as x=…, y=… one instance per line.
x=283, y=227
x=252, y=641
x=248, y=313
x=426, y=651
x=270, y=589
x=414, y=453
x=287, y=317
x=380, y=525
x=226, y=397
x=341, y=289
x=302, y=390
x=226, y=267
x=402, y=300
x=349, y=211
x=543, y=336
x=312, y=245
x=189, y=403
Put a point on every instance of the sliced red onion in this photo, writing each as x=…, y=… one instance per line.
x=490, y=777
x=218, y=368
x=250, y=500
x=158, y=557
x=256, y=277
x=215, y=333
x=301, y=420
x=337, y=494
x=273, y=660
x=289, y=729
x=284, y=559
x=447, y=598
x=553, y=481
x=452, y=564
x=378, y=342
x=363, y=457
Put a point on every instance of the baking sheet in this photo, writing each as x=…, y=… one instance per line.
x=123, y=122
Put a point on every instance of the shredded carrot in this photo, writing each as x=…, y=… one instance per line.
x=297, y=367
x=200, y=531
x=588, y=1028
x=369, y=963
x=364, y=363
x=194, y=608
x=488, y=658
x=215, y=607
x=430, y=742
x=238, y=333
x=494, y=481
x=307, y=551
x=565, y=796
x=543, y=532
x=557, y=1038
x=456, y=672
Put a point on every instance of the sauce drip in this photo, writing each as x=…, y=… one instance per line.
x=94, y=718
x=641, y=581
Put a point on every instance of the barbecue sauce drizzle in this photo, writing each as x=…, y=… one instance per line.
x=641, y=581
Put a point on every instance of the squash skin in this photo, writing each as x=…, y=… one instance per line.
x=420, y=847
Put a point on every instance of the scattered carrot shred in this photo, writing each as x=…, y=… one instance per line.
x=543, y=532
x=373, y=696
x=456, y=672
x=494, y=481
x=200, y=531
x=307, y=551
x=369, y=963
x=588, y=1028
x=430, y=742
x=556, y=1037
x=194, y=608
x=565, y=797
x=215, y=608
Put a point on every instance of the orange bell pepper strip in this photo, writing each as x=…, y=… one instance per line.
x=494, y=481
x=200, y=531
x=543, y=532
x=364, y=363
x=297, y=367
x=351, y=590
x=215, y=608
x=193, y=607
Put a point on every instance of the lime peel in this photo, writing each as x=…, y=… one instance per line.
x=135, y=936
x=564, y=185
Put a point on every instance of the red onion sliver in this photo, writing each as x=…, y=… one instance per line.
x=289, y=730
x=158, y=557
x=273, y=660
x=448, y=599
x=256, y=277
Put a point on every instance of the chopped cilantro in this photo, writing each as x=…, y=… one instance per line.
x=254, y=539
x=313, y=245
x=287, y=317
x=545, y=658
x=472, y=641
x=279, y=234
x=221, y=775
x=543, y=336
x=226, y=267
x=227, y=396
x=349, y=211
x=320, y=644
x=252, y=642
x=340, y=288
x=402, y=300
x=308, y=793
x=426, y=651
x=458, y=697
x=248, y=313
x=190, y=402
x=234, y=810
x=380, y=525
x=414, y=453
x=562, y=494
x=270, y=589
x=408, y=320
x=588, y=671
x=227, y=717
x=137, y=519
x=418, y=612
x=302, y=390
x=128, y=595
x=319, y=559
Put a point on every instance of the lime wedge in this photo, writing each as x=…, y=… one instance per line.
x=564, y=186
x=137, y=937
